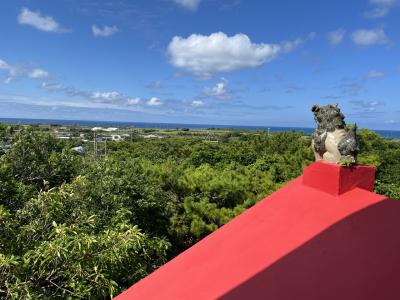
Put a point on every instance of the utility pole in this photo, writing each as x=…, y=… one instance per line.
x=94, y=144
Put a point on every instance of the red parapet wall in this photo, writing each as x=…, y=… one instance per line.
x=336, y=180
x=325, y=235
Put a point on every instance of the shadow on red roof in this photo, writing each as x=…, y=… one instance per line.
x=301, y=242
x=356, y=258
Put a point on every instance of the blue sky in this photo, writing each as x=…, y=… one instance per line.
x=201, y=61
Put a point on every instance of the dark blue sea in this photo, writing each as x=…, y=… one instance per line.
x=384, y=133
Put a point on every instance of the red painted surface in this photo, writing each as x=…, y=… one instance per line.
x=336, y=180
x=298, y=243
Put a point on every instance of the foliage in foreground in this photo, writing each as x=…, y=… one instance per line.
x=74, y=227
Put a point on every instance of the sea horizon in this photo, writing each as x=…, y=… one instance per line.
x=160, y=125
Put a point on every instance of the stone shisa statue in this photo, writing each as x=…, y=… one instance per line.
x=332, y=140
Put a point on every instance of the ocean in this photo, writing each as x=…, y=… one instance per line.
x=394, y=134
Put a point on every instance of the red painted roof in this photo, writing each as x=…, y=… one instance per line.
x=298, y=243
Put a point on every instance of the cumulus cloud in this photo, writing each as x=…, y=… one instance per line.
x=375, y=74
x=38, y=74
x=188, y=4
x=289, y=46
x=365, y=37
x=134, y=101
x=220, y=91
x=154, y=101
x=112, y=99
x=105, y=31
x=38, y=21
x=106, y=96
x=3, y=65
x=13, y=71
x=204, y=55
x=380, y=8
x=336, y=37
x=197, y=103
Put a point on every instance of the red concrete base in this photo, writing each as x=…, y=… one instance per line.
x=336, y=180
x=306, y=241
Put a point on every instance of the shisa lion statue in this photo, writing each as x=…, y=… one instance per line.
x=332, y=140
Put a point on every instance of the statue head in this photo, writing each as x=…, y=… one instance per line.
x=328, y=117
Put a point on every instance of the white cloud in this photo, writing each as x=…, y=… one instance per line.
x=102, y=99
x=204, y=55
x=134, y=101
x=188, y=4
x=380, y=8
x=35, y=19
x=220, y=91
x=375, y=74
x=105, y=31
x=38, y=74
x=3, y=65
x=289, y=46
x=51, y=86
x=106, y=96
x=12, y=71
x=336, y=37
x=365, y=37
x=154, y=101
x=197, y=103
x=112, y=99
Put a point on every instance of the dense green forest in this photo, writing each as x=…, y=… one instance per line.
x=75, y=226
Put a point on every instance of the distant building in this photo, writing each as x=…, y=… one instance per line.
x=151, y=136
x=116, y=138
x=80, y=150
